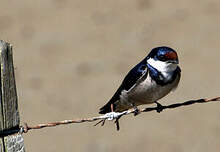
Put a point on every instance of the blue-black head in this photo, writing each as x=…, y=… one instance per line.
x=164, y=54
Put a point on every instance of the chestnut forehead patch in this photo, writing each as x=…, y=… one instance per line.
x=171, y=55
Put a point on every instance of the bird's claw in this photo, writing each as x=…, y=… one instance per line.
x=136, y=111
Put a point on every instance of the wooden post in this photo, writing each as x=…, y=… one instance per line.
x=10, y=139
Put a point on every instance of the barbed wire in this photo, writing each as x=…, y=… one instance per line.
x=114, y=115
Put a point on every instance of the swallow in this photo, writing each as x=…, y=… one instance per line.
x=154, y=77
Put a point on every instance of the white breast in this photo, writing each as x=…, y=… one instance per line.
x=146, y=92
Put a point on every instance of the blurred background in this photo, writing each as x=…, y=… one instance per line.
x=71, y=56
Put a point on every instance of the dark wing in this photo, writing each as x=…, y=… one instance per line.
x=177, y=75
x=129, y=81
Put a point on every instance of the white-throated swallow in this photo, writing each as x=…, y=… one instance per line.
x=150, y=80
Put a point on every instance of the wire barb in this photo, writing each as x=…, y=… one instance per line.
x=114, y=115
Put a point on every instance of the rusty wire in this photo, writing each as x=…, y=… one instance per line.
x=114, y=115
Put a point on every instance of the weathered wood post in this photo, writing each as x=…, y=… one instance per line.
x=10, y=139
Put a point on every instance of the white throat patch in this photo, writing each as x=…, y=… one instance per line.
x=163, y=67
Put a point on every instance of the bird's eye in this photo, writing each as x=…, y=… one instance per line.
x=162, y=57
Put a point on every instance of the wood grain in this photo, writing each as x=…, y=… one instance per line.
x=9, y=115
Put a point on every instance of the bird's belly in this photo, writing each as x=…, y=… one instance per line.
x=148, y=92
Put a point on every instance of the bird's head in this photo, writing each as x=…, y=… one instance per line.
x=163, y=58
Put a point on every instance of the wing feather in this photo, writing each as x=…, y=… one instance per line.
x=132, y=78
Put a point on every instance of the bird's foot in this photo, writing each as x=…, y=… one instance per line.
x=136, y=111
x=159, y=107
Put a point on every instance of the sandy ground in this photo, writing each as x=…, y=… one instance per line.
x=71, y=55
